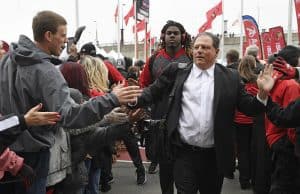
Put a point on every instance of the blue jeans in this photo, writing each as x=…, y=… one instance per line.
x=94, y=178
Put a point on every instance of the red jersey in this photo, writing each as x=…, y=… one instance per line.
x=162, y=59
x=284, y=92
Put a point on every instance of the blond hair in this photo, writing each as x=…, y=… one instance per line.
x=97, y=73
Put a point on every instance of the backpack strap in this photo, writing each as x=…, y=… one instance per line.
x=179, y=66
x=151, y=62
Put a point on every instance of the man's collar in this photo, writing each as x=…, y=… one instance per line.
x=198, y=71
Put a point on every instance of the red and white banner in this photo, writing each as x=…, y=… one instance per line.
x=252, y=33
x=147, y=39
x=148, y=34
x=214, y=12
x=266, y=40
x=297, y=8
x=204, y=27
x=129, y=15
x=278, y=39
x=210, y=16
x=116, y=14
x=139, y=26
x=152, y=41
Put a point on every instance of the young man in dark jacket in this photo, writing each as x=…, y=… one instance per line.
x=175, y=47
x=28, y=76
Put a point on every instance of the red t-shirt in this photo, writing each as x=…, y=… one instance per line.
x=284, y=92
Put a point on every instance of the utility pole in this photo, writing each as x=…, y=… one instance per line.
x=241, y=28
x=136, y=51
x=122, y=28
x=96, y=39
x=118, y=31
x=290, y=18
x=76, y=14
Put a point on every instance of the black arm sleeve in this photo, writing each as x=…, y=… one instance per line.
x=11, y=127
x=284, y=117
x=154, y=92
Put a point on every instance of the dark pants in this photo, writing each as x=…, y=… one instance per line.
x=166, y=177
x=132, y=147
x=243, y=145
x=106, y=165
x=196, y=170
x=156, y=152
x=261, y=164
x=286, y=175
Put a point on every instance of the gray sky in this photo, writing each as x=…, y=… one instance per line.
x=16, y=16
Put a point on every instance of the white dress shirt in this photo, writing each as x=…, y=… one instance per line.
x=196, y=118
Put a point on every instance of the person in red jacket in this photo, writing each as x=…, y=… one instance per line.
x=174, y=47
x=244, y=123
x=113, y=74
x=282, y=140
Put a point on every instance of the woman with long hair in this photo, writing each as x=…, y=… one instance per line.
x=244, y=124
x=75, y=77
x=252, y=149
x=97, y=75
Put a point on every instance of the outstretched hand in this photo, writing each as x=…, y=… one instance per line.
x=127, y=94
x=132, y=82
x=266, y=80
x=116, y=116
x=136, y=115
x=35, y=118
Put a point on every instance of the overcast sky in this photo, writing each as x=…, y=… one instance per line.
x=16, y=16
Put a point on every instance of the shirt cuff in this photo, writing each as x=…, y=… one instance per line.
x=9, y=123
x=23, y=123
x=264, y=102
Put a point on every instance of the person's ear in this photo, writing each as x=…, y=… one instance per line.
x=48, y=36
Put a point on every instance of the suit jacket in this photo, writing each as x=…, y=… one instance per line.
x=229, y=94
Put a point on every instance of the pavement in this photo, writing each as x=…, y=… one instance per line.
x=125, y=180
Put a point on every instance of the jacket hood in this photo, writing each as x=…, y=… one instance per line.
x=26, y=53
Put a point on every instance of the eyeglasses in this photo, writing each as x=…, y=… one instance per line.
x=172, y=32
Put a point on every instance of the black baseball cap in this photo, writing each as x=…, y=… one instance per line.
x=88, y=49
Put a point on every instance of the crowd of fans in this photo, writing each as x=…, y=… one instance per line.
x=87, y=103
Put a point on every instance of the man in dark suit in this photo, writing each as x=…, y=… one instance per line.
x=202, y=101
